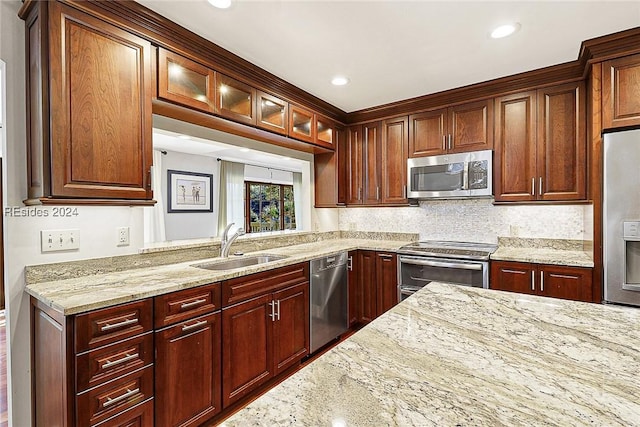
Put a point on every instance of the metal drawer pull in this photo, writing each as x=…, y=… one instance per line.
x=272, y=315
x=533, y=186
x=350, y=263
x=542, y=281
x=128, y=357
x=186, y=328
x=444, y=142
x=192, y=303
x=533, y=281
x=118, y=399
x=540, y=187
x=127, y=322
x=278, y=313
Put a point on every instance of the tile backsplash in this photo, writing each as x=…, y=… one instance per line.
x=475, y=220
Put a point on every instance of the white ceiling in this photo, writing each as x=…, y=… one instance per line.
x=394, y=50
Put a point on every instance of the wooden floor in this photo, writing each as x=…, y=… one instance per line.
x=4, y=415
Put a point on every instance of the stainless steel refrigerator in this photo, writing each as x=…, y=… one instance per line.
x=621, y=217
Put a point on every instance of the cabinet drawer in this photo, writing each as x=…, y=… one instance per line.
x=182, y=305
x=106, y=363
x=106, y=326
x=138, y=416
x=107, y=400
x=243, y=288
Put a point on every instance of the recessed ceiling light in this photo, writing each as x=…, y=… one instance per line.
x=184, y=137
x=220, y=4
x=504, y=30
x=339, y=81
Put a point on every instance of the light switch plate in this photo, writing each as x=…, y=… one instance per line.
x=60, y=240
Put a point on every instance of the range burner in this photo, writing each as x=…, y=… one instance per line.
x=443, y=249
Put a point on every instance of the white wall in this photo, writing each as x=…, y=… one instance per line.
x=97, y=224
x=476, y=220
x=191, y=225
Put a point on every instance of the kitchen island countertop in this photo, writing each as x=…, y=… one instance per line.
x=459, y=356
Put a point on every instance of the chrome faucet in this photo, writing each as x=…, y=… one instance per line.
x=226, y=241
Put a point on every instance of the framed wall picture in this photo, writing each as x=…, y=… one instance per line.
x=189, y=191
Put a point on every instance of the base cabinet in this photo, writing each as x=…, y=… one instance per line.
x=94, y=368
x=188, y=371
x=372, y=284
x=573, y=283
x=265, y=330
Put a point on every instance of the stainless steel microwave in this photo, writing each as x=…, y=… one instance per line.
x=451, y=176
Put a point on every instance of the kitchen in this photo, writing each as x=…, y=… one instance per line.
x=558, y=221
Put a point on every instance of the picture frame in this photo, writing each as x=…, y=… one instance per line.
x=189, y=191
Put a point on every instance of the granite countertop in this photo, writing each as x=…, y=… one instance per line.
x=460, y=356
x=574, y=258
x=545, y=251
x=81, y=294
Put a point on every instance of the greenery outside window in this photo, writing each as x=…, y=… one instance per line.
x=269, y=207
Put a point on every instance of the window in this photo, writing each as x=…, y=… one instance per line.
x=269, y=207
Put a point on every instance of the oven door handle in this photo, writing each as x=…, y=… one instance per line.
x=463, y=266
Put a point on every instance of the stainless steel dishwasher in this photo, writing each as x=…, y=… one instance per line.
x=328, y=305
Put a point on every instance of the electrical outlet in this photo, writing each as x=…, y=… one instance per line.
x=59, y=240
x=123, y=236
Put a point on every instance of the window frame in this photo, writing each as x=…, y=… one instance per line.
x=247, y=202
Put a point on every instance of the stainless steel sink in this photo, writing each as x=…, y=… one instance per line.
x=231, y=263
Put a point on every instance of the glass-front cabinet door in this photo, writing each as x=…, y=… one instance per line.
x=301, y=124
x=325, y=129
x=235, y=100
x=185, y=82
x=273, y=113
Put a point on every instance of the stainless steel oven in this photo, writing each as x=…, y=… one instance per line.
x=459, y=263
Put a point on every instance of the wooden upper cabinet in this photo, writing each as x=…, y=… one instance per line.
x=354, y=164
x=471, y=126
x=541, y=145
x=302, y=124
x=89, y=117
x=561, y=143
x=185, y=82
x=395, y=135
x=273, y=113
x=427, y=133
x=235, y=100
x=372, y=139
x=325, y=132
x=330, y=173
x=515, y=155
x=461, y=128
x=621, y=92
x=376, y=163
